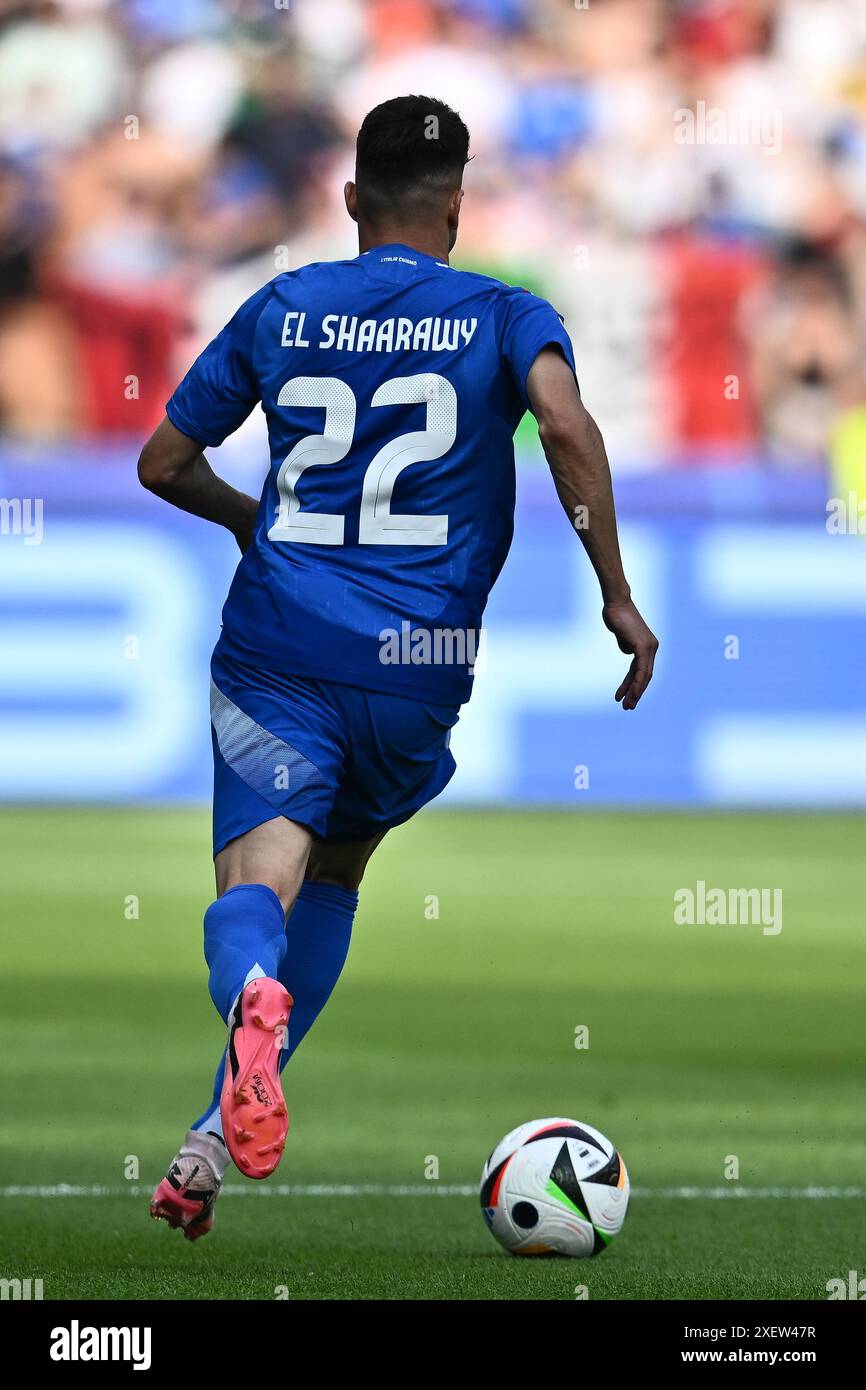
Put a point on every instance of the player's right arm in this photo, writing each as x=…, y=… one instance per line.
x=213, y=400
x=173, y=466
x=575, y=451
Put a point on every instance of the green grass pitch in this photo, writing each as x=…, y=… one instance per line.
x=445, y=1031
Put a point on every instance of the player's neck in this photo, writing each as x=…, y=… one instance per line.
x=423, y=240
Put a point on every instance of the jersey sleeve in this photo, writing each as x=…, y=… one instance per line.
x=220, y=388
x=528, y=325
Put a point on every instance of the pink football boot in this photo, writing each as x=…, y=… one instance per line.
x=254, y=1115
x=187, y=1195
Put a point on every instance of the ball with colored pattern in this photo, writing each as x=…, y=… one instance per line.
x=554, y=1187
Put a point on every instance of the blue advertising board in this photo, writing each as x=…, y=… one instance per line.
x=110, y=602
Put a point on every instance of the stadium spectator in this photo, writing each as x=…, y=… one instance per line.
x=159, y=160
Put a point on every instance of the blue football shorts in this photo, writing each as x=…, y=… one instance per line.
x=346, y=762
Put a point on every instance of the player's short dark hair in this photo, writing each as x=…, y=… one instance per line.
x=410, y=150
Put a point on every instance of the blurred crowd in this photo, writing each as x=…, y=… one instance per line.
x=684, y=179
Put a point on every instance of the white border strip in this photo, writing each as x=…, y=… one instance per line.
x=435, y=1189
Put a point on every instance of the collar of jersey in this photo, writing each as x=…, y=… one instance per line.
x=411, y=252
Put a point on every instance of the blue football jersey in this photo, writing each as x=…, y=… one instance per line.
x=392, y=385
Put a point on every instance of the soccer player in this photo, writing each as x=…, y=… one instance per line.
x=392, y=385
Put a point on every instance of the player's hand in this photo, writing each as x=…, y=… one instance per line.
x=633, y=637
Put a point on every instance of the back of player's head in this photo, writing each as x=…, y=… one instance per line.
x=411, y=152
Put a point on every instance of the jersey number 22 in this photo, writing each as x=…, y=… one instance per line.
x=378, y=524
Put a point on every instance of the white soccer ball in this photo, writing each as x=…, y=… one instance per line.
x=554, y=1187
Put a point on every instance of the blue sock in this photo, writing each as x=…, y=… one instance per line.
x=318, y=933
x=317, y=937
x=244, y=938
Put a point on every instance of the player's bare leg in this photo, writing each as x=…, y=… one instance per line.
x=343, y=864
x=274, y=853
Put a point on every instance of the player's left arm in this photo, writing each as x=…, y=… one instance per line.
x=173, y=466
x=576, y=454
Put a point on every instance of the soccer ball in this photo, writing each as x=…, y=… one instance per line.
x=554, y=1187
